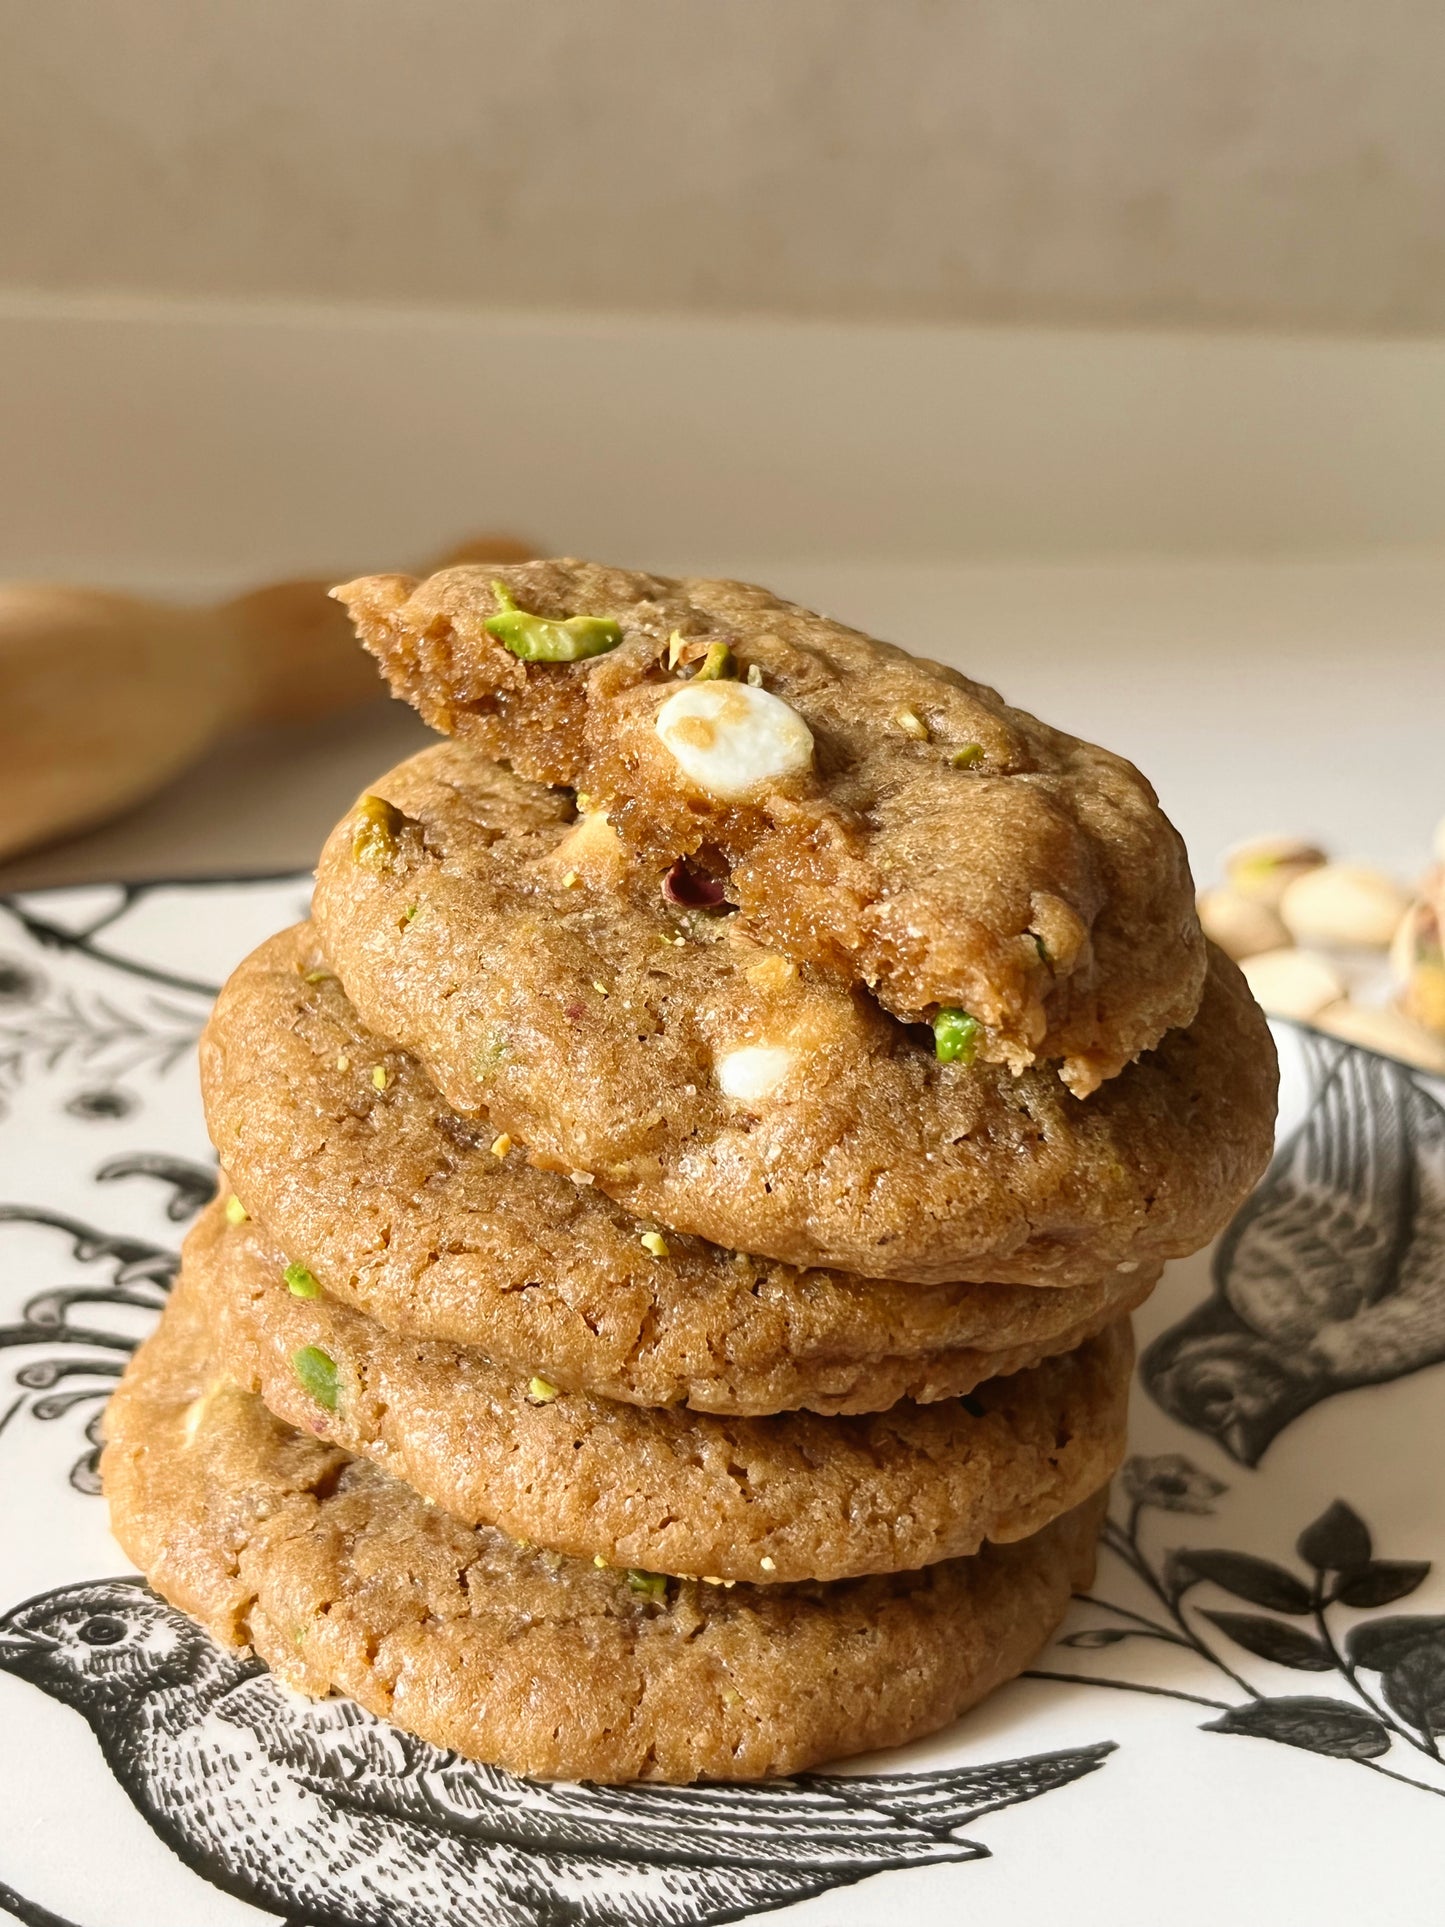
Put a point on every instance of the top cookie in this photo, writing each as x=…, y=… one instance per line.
x=877, y=815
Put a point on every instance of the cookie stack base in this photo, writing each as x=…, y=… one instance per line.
x=344, y=1580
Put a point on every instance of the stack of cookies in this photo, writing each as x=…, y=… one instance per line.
x=666, y=1311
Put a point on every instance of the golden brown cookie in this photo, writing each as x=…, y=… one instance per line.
x=404, y=1210
x=343, y=1580
x=715, y=1087
x=872, y=814
x=764, y=1500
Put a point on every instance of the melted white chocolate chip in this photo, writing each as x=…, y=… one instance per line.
x=754, y=1071
x=730, y=737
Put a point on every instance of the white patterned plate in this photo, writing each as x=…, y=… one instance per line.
x=1243, y=1720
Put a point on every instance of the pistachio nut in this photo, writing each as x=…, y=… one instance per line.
x=1293, y=983
x=1387, y=1031
x=1241, y=926
x=1264, y=867
x=1344, y=904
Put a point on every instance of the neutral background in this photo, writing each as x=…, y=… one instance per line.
x=1272, y=163
x=1098, y=348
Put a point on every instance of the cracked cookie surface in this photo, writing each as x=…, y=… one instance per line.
x=934, y=844
x=764, y=1500
x=403, y=1210
x=343, y=1580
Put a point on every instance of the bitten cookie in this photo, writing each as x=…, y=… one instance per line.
x=756, y=1499
x=419, y=1217
x=713, y=1086
x=877, y=816
x=343, y=1580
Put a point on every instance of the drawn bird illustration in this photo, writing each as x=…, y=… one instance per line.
x=332, y=1818
x=1333, y=1274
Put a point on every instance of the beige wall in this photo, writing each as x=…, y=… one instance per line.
x=1275, y=163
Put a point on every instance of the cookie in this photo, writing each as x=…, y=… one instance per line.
x=403, y=1210
x=717, y=1088
x=343, y=1580
x=877, y=816
x=765, y=1500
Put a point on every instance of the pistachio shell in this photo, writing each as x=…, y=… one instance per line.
x=1387, y=1031
x=1293, y=983
x=1241, y=926
x=1344, y=904
x=1264, y=867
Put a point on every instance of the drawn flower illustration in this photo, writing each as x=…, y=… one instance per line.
x=1171, y=1483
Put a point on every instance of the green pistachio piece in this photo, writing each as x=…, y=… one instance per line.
x=650, y=1585
x=379, y=824
x=317, y=1371
x=955, y=1037
x=300, y=1283
x=539, y=639
x=716, y=664
x=966, y=757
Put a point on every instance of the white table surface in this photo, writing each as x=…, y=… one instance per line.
x=1306, y=696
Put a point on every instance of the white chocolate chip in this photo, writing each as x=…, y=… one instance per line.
x=731, y=737
x=1293, y=983
x=1343, y=903
x=754, y=1071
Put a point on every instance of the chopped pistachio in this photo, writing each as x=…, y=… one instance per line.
x=541, y=1391
x=716, y=664
x=967, y=756
x=343, y=1063
x=599, y=1562
x=379, y=1077
x=409, y=914
x=374, y=839
x=571, y=880
x=317, y=1371
x=488, y=1059
x=730, y=1694
x=318, y=976
x=300, y=1283
x=755, y=675
x=676, y=643
x=599, y=986
x=654, y=1242
x=501, y=1145
x=584, y=802
x=651, y=1585
x=912, y=724
x=539, y=639
x=236, y=1212
x=955, y=1037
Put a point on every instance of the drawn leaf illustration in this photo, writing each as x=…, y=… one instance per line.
x=1259, y=1581
x=1382, y=1582
x=1382, y=1646
x=1269, y=1639
x=1415, y=1687
x=1094, y=1638
x=1316, y=1725
x=1338, y=1541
